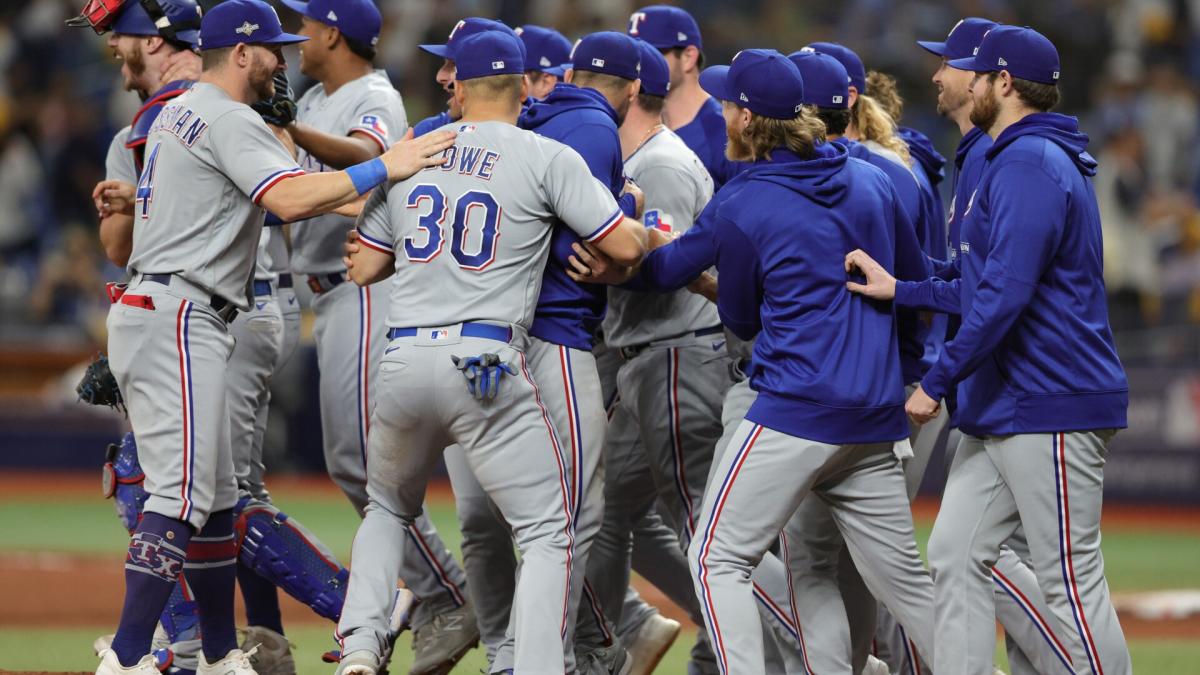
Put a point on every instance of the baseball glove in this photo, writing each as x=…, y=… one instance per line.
x=99, y=387
x=483, y=374
x=280, y=109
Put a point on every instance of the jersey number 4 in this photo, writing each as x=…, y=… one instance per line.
x=476, y=209
x=145, y=186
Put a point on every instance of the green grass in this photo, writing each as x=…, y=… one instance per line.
x=1135, y=560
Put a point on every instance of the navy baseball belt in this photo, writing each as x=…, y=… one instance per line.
x=224, y=309
x=323, y=283
x=631, y=352
x=472, y=329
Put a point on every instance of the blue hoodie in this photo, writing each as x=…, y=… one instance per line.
x=1035, y=352
x=431, y=123
x=929, y=167
x=706, y=136
x=826, y=362
x=915, y=355
x=569, y=313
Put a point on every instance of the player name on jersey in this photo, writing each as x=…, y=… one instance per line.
x=181, y=121
x=468, y=160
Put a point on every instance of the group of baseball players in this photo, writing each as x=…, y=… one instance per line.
x=706, y=324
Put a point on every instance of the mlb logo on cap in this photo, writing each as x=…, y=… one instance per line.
x=492, y=52
x=1025, y=53
x=599, y=63
x=763, y=80
x=607, y=52
x=497, y=65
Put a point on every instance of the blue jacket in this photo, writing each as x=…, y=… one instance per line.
x=706, y=136
x=569, y=313
x=1035, y=352
x=930, y=169
x=431, y=123
x=826, y=362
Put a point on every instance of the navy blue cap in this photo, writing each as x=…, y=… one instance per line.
x=461, y=31
x=762, y=80
x=607, y=52
x=849, y=60
x=1025, y=53
x=253, y=22
x=962, y=40
x=546, y=50
x=182, y=16
x=656, y=74
x=491, y=52
x=826, y=84
x=665, y=27
x=357, y=19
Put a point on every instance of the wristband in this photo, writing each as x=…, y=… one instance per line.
x=272, y=220
x=368, y=175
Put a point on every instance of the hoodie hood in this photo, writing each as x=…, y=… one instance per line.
x=820, y=179
x=922, y=150
x=965, y=145
x=1061, y=130
x=565, y=98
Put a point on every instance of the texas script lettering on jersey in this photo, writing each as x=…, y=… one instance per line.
x=181, y=121
x=468, y=160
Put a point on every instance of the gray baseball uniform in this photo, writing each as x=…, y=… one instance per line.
x=196, y=224
x=453, y=271
x=119, y=164
x=350, y=333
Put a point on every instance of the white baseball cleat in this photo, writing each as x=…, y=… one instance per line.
x=109, y=665
x=359, y=662
x=102, y=643
x=274, y=653
x=875, y=667
x=651, y=643
x=236, y=662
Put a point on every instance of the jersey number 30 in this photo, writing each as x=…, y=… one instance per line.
x=145, y=186
x=474, y=210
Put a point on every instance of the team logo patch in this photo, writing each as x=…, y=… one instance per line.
x=965, y=246
x=247, y=28
x=375, y=124
x=658, y=220
x=635, y=19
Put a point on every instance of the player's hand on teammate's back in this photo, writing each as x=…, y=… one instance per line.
x=920, y=407
x=639, y=197
x=410, y=155
x=483, y=374
x=880, y=285
x=113, y=196
x=590, y=266
x=182, y=65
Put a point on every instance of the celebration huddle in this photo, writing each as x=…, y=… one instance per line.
x=708, y=323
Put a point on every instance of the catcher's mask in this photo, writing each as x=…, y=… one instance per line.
x=171, y=19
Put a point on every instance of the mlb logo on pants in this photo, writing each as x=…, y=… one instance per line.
x=439, y=334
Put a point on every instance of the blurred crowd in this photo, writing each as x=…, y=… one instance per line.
x=1131, y=69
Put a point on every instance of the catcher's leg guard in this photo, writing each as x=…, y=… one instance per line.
x=287, y=554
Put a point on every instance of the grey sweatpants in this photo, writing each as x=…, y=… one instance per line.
x=258, y=342
x=512, y=448
x=1051, y=485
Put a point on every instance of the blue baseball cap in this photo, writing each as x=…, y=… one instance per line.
x=357, y=19
x=826, y=84
x=461, y=31
x=1025, y=53
x=546, y=50
x=762, y=80
x=655, y=73
x=253, y=22
x=849, y=60
x=962, y=40
x=665, y=27
x=607, y=52
x=489, y=53
x=182, y=21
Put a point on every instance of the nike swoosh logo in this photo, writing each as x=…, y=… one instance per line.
x=291, y=301
x=260, y=305
x=718, y=346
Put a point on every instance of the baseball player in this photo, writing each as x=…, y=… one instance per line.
x=445, y=74
x=210, y=162
x=497, y=178
x=848, y=435
x=547, y=55
x=689, y=111
x=1031, y=295
x=351, y=115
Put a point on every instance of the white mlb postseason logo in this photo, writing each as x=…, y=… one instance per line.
x=439, y=334
x=247, y=28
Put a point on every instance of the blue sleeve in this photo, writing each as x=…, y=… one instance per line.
x=430, y=123
x=671, y=267
x=600, y=148
x=739, y=294
x=911, y=262
x=933, y=294
x=628, y=205
x=272, y=220
x=1027, y=212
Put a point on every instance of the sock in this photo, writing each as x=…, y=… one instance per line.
x=211, y=569
x=262, y=599
x=156, y=553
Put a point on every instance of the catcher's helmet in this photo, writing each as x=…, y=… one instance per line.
x=176, y=20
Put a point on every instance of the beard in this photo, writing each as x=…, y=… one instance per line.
x=986, y=111
x=135, y=63
x=262, y=79
x=738, y=149
x=949, y=102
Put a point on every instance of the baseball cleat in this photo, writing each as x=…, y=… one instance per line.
x=875, y=667
x=442, y=642
x=109, y=665
x=102, y=643
x=360, y=662
x=236, y=662
x=651, y=643
x=274, y=653
x=610, y=660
